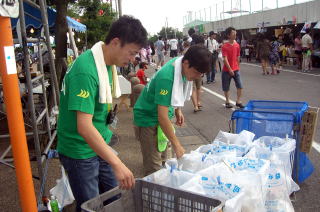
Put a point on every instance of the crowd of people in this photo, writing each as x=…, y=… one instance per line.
x=283, y=49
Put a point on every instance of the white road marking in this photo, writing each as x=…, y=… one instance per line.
x=285, y=70
x=315, y=145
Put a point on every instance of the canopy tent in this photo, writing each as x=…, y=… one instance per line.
x=33, y=18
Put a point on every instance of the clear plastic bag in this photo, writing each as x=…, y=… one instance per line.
x=194, y=162
x=62, y=191
x=243, y=138
x=241, y=142
x=171, y=177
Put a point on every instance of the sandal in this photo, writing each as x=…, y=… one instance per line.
x=228, y=105
x=196, y=110
x=199, y=106
x=239, y=105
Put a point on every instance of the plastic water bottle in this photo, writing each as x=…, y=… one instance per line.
x=54, y=204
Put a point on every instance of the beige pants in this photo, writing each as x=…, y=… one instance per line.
x=152, y=158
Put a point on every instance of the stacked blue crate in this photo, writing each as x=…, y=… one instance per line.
x=280, y=119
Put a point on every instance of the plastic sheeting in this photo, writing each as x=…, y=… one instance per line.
x=33, y=18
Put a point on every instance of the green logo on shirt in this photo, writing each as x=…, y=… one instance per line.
x=163, y=92
x=84, y=94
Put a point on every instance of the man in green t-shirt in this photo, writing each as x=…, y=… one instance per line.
x=83, y=134
x=154, y=106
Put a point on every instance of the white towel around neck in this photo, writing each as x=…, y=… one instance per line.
x=181, y=91
x=105, y=91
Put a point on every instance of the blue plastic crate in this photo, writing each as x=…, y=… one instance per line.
x=276, y=118
x=297, y=108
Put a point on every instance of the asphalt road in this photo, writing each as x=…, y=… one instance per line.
x=287, y=86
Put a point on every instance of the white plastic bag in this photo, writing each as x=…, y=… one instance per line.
x=171, y=177
x=193, y=162
x=215, y=149
x=280, y=152
x=62, y=191
x=228, y=193
x=241, y=142
x=236, y=182
x=243, y=138
x=283, y=148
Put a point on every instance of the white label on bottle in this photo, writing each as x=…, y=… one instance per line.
x=10, y=60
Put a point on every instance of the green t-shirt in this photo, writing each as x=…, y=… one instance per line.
x=157, y=92
x=80, y=92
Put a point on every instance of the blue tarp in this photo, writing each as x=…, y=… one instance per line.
x=33, y=18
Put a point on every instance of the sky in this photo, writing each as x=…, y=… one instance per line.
x=153, y=13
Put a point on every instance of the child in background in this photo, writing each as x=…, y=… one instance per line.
x=247, y=53
x=140, y=73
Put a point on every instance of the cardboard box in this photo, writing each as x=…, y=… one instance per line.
x=308, y=129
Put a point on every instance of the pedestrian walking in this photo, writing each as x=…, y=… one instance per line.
x=85, y=112
x=153, y=52
x=231, y=69
x=298, y=50
x=159, y=46
x=263, y=49
x=197, y=83
x=173, y=45
x=306, y=42
x=213, y=46
x=274, y=56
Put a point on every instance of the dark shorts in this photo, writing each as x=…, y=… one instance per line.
x=226, y=80
x=173, y=53
x=298, y=52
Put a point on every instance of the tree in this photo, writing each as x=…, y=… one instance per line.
x=169, y=32
x=98, y=17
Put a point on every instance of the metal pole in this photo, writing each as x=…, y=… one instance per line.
x=15, y=118
x=44, y=90
x=210, y=14
x=30, y=90
x=216, y=11
x=165, y=28
x=231, y=9
x=54, y=79
x=117, y=11
x=250, y=6
x=72, y=42
x=205, y=14
x=262, y=6
x=277, y=4
x=120, y=7
x=223, y=9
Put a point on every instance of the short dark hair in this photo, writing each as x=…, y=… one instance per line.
x=128, y=30
x=191, y=31
x=212, y=33
x=160, y=38
x=142, y=65
x=308, y=30
x=229, y=30
x=197, y=39
x=199, y=57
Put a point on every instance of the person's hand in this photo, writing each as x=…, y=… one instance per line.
x=179, y=150
x=179, y=117
x=124, y=176
x=231, y=73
